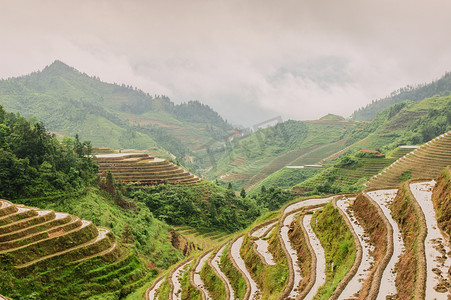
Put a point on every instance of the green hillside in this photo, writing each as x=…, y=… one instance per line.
x=64, y=255
x=440, y=87
x=117, y=116
x=251, y=159
x=426, y=161
x=406, y=123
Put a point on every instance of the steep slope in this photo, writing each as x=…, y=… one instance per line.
x=441, y=198
x=142, y=168
x=372, y=246
x=405, y=123
x=117, y=116
x=41, y=245
x=426, y=161
x=439, y=87
x=252, y=158
x=350, y=173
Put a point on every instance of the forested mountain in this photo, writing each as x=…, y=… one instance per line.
x=70, y=102
x=440, y=87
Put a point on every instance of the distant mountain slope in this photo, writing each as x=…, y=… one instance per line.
x=440, y=87
x=70, y=102
x=406, y=123
x=252, y=158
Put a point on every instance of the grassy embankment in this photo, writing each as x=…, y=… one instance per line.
x=270, y=279
x=213, y=283
x=237, y=281
x=299, y=242
x=408, y=215
x=338, y=243
x=441, y=198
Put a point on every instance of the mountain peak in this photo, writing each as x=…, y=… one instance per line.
x=58, y=67
x=331, y=117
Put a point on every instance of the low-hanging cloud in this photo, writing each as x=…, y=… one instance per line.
x=249, y=60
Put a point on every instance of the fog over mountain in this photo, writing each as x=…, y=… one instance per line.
x=249, y=60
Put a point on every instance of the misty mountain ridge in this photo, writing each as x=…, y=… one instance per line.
x=70, y=102
x=416, y=93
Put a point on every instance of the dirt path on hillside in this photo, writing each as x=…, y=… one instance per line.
x=235, y=251
x=153, y=293
x=355, y=284
x=196, y=277
x=318, y=251
x=384, y=198
x=438, y=261
x=175, y=279
x=293, y=254
x=215, y=264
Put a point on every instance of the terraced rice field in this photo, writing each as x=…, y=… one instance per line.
x=254, y=290
x=262, y=245
x=196, y=276
x=293, y=256
x=384, y=198
x=438, y=260
x=176, y=285
x=367, y=167
x=382, y=283
x=51, y=245
x=142, y=168
x=427, y=161
x=30, y=237
x=215, y=264
x=320, y=258
x=353, y=288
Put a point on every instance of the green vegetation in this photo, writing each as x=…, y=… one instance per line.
x=273, y=198
x=213, y=283
x=285, y=178
x=338, y=243
x=251, y=159
x=136, y=226
x=270, y=279
x=201, y=205
x=236, y=280
x=441, y=197
x=33, y=163
x=332, y=117
x=87, y=279
x=165, y=289
x=38, y=170
x=347, y=174
x=440, y=87
x=404, y=123
x=188, y=291
x=112, y=115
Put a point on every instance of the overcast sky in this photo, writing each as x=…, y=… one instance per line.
x=250, y=60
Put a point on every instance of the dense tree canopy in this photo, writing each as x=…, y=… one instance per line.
x=34, y=163
x=202, y=205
